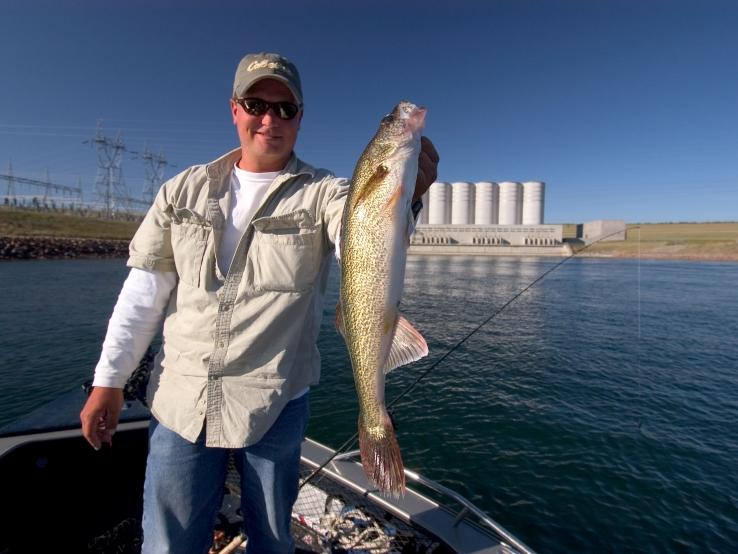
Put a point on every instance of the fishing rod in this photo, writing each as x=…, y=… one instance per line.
x=346, y=445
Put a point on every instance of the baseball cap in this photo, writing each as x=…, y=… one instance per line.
x=266, y=65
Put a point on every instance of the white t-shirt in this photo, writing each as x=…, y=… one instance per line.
x=247, y=191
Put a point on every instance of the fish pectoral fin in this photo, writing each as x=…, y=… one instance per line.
x=391, y=204
x=408, y=345
x=372, y=183
x=339, y=321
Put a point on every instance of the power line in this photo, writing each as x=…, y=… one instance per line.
x=46, y=184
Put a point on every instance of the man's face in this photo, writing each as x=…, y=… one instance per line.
x=266, y=140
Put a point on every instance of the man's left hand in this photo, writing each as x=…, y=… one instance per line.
x=427, y=167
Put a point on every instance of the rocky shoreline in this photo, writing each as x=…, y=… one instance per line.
x=47, y=248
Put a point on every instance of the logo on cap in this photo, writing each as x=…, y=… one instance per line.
x=261, y=64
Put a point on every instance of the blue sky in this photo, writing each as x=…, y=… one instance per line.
x=627, y=109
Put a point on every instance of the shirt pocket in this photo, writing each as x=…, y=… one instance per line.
x=190, y=235
x=284, y=253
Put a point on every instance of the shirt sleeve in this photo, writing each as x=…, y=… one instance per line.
x=333, y=210
x=135, y=321
x=151, y=247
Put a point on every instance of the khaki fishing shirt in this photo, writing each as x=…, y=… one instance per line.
x=237, y=347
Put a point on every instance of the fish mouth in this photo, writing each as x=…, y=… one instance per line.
x=411, y=115
x=416, y=119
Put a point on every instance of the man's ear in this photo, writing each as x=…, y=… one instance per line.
x=234, y=110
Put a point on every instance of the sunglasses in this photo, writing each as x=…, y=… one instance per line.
x=257, y=106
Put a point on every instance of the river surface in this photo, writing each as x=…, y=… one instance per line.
x=595, y=413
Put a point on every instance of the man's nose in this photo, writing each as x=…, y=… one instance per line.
x=268, y=117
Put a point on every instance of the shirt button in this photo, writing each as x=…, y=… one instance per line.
x=221, y=344
x=213, y=377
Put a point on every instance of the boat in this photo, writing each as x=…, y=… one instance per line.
x=61, y=495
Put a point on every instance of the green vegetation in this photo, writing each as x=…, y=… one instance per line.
x=54, y=224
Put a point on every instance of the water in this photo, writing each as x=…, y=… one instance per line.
x=596, y=413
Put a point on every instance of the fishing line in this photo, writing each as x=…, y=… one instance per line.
x=639, y=345
x=407, y=390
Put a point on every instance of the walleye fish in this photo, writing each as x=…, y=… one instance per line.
x=374, y=241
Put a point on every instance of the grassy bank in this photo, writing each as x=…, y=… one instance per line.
x=28, y=223
x=688, y=241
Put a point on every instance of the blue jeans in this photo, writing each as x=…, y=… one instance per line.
x=184, y=485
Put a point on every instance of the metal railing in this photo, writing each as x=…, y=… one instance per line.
x=466, y=505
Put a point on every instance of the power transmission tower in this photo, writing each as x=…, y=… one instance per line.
x=78, y=197
x=11, y=183
x=154, y=165
x=47, y=188
x=109, y=185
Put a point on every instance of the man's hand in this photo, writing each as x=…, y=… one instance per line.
x=427, y=167
x=100, y=415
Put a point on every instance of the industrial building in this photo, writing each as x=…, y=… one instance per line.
x=486, y=217
x=484, y=203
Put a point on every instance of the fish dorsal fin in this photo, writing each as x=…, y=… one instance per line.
x=408, y=345
x=372, y=183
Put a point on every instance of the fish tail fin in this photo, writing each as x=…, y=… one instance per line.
x=381, y=457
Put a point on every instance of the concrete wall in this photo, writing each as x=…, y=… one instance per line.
x=489, y=235
x=595, y=230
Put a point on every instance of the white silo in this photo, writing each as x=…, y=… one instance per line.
x=462, y=203
x=423, y=217
x=440, y=203
x=533, y=201
x=509, y=203
x=486, y=202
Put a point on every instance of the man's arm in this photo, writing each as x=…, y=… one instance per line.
x=136, y=319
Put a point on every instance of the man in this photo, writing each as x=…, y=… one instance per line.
x=235, y=253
